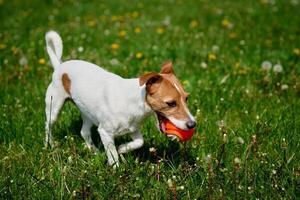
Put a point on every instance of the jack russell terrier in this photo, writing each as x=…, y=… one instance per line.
x=114, y=104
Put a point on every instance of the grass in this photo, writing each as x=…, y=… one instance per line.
x=248, y=133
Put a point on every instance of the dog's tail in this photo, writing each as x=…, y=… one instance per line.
x=54, y=48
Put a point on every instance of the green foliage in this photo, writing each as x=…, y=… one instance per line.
x=247, y=141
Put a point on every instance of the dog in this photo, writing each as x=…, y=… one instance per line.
x=116, y=105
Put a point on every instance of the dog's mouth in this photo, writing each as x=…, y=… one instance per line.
x=162, y=126
x=171, y=130
x=161, y=122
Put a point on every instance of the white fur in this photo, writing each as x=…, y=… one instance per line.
x=114, y=104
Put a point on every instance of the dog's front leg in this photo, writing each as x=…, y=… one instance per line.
x=137, y=142
x=109, y=146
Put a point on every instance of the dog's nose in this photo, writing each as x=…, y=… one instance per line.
x=191, y=124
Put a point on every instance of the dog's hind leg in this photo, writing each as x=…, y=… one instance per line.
x=137, y=142
x=87, y=134
x=55, y=98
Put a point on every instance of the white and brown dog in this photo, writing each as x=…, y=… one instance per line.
x=114, y=104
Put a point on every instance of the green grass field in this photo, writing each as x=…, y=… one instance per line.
x=248, y=133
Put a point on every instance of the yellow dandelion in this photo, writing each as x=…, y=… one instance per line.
x=122, y=33
x=3, y=46
x=296, y=51
x=42, y=61
x=193, y=24
x=232, y=35
x=91, y=23
x=115, y=46
x=139, y=55
x=212, y=56
x=160, y=30
x=226, y=23
x=135, y=14
x=137, y=30
x=114, y=18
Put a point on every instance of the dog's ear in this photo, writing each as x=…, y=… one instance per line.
x=152, y=80
x=167, y=68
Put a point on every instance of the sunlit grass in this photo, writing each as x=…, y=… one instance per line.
x=238, y=60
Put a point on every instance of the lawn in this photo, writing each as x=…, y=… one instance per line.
x=239, y=60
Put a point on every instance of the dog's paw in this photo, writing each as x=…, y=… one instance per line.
x=122, y=149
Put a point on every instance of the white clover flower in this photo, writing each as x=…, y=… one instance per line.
x=80, y=49
x=215, y=48
x=23, y=61
x=203, y=65
x=114, y=62
x=237, y=160
x=284, y=87
x=277, y=68
x=266, y=65
x=152, y=149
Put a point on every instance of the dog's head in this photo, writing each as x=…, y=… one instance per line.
x=166, y=96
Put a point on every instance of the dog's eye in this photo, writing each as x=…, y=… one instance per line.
x=186, y=99
x=171, y=104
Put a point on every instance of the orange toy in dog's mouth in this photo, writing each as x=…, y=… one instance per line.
x=168, y=128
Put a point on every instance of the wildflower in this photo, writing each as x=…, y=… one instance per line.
x=160, y=30
x=227, y=24
x=203, y=65
x=80, y=49
x=23, y=61
x=193, y=24
x=137, y=30
x=139, y=55
x=284, y=87
x=122, y=33
x=42, y=61
x=240, y=140
x=170, y=183
x=277, y=68
x=114, y=62
x=152, y=150
x=135, y=14
x=91, y=23
x=296, y=51
x=115, y=46
x=212, y=56
x=215, y=48
x=167, y=21
x=266, y=65
x=114, y=18
x=2, y=46
x=233, y=35
x=237, y=160
x=180, y=187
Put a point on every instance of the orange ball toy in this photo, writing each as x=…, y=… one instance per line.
x=171, y=129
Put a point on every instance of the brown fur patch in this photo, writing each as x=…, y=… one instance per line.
x=167, y=90
x=66, y=81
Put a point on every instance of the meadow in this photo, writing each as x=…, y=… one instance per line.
x=239, y=60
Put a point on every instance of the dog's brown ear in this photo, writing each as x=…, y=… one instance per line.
x=152, y=80
x=167, y=68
